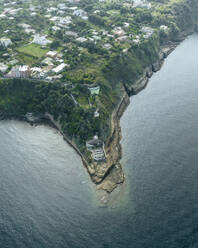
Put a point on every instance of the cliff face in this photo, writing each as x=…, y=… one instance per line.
x=109, y=174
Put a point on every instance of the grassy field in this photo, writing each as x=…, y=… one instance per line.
x=33, y=50
x=26, y=60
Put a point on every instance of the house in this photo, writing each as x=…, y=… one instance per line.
x=94, y=143
x=96, y=114
x=81, y=39
x=5, y=42
x=24, y=71
x=163, y=27
x=71, y=33
x=35, y=72
x=3, y=68
x=41, y=40
x=61, y=12
x=24, y=25
x=80, y=13
x=47, y=69
x=2, y=16
x=119, y=31
x=48, y=61
x=52, y=54
x=59, y=68
x=62, y=6
x=55, y=28
x=19, y=72
x=147, y=31
x=52, y=9
x=54, y=18
x=98, y=155
x=94, y=90
x=126, y=25
x=107, y=46
x=65, y=20
x=141, y=4
x=136, y=39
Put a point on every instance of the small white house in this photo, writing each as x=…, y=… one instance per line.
x=94, y=90
x=22, y=71
x=59, y=68
x=52, y=54
x=41, y=40
x=80, y=13
x=81, y=39
x=3, y=68
x=48, y=61
x=5, y=42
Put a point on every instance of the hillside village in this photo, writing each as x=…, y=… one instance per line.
x=52, y=39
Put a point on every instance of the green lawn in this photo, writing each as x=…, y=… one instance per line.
x=33, y=50
x=28, y=60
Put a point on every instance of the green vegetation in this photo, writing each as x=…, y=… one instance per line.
x=33, y=50
x=17, y=97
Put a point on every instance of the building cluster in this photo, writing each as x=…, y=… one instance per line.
x=24, y=71
x=96, y=146
x=19, y=72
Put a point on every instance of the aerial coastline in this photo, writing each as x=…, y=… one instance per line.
x=107, y=173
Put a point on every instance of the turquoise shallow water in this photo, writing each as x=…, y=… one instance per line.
x=47, y=199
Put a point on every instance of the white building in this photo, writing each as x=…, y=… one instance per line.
x=71, y=33
x=35, y=72
x=48, y=61
x=147, y=31
x=19, y=72
x=62, y=6
x=163, y=27
x=59, y=68
x=141, y=4
x=5, y=42
x=65, y=20
x=80, y=13
x=107, y=46
x=96, y=114
x=119, y=31
x=94, y=90
x=41, y=40
x=3, y=68
x=81, y=39
x=52, y=54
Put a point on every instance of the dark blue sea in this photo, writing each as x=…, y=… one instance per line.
x=48, y=201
